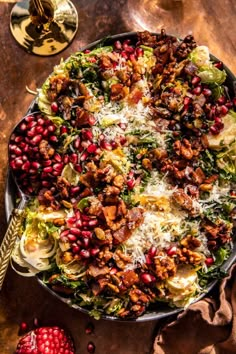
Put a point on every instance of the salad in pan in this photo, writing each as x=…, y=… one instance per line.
x=130, y=162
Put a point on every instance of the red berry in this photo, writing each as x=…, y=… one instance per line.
x=44, y=340
x=54, y=107
x=209, y=261
x=91, y=347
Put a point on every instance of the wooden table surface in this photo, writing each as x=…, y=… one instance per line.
x=212, y=23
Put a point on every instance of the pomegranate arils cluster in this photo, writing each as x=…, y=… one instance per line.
x=46, y=340
x=31, y=149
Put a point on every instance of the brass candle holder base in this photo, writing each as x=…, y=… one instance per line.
x=45, y=39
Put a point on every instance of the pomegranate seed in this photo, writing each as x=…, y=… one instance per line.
x=40, y=121
x=86, y=51
x=130, y=183
x=234, y=101
x=26, y=166
x=47, y=169
x=18, y=139
x=219, y=65
x=18, y=163
x=148, y=259
x=77, y=143
x=17, y=151
x=35, y=164
x=123, y=126
x=114, y=145
x=31, y=133
x=139, y=52
x=47, y=163
x=224, y=110
x=83, y=156
x=92, y=148
x=29, y=118
x=71, y=220
x=75, y=231
x=124, y=55
x=89, y=328
x=86, y=242
x=71, y=237
x=127, y=41
x=221, y=100
x=63, y=130
x=76, y=249
x=196, y=80
x=132, y=57
x=197, y=90
x=91, y=348
x=91, y=120
x=218, y=120
x=54, y=107
x=233, y=194
x=23, y=326
x=152, y=251
x=66, y=159
x=214, y=130
x=207, y=92
x=105, y=145
x=85, y=217
x=33, y=171
x=94, y=252
x=84, y=253
x=93, y=222
x=113, y=270
x=36, y=139
x=92, y=59
x=74, y=190
x=78, y=168
x=45, y=133
x=26, y=148
x=85, y=144
x=123, y=140
x=64, y=233
x=117, y=45
x=23, y=127
x=147, y=278
x=229, y=105
x=51, y=128
x=58, y=166
x=39, y=129
x=187, y=101
x=45, y=184
x=209, y=261
x=87, y=135
x=57, y=157
x=172, y=251
x=53, y=138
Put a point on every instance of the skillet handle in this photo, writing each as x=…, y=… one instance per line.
x=9, y=242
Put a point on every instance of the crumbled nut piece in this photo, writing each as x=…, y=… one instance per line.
x=190, y=242
x=189, y=257
x=121, y=259
x=165, y=266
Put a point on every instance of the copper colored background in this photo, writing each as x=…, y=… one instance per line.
x=213, y=24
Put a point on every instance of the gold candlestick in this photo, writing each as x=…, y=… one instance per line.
x=44, y=27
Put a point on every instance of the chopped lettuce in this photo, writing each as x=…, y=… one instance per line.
x=209, y=74
x=200, y=56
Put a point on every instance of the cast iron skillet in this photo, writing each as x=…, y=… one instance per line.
x=155, y=311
